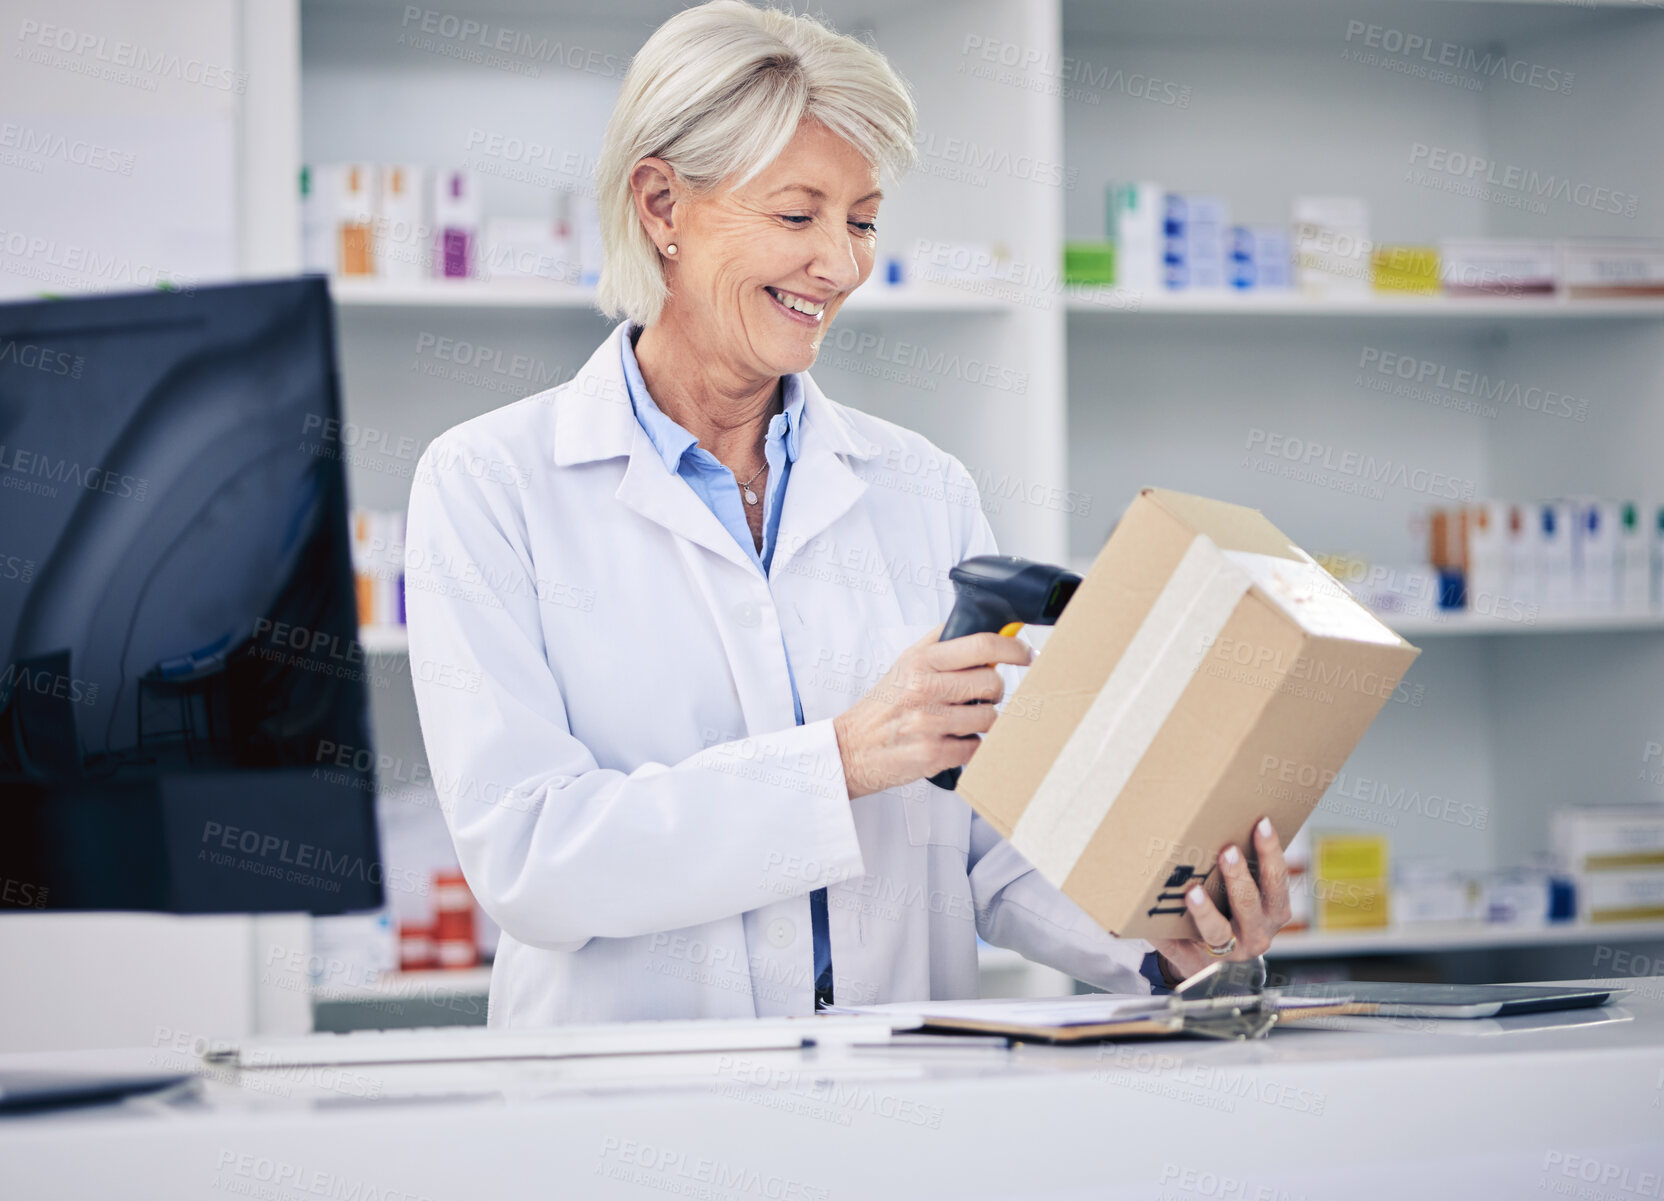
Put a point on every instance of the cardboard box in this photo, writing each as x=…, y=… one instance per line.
x=1206, y=672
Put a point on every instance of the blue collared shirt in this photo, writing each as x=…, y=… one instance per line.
x=710, y=480
x=716, y=486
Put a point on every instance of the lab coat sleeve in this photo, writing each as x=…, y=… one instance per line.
x=557, y=849
x=1018, y=908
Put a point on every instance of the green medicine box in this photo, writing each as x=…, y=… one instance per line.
x=1089, y=262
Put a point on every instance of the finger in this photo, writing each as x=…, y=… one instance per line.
x=959, y=720
x=956, y=750
x=966, y=685
x=1273, y=872
x=974, y=650
x=1244, y=894
x=1213, y=926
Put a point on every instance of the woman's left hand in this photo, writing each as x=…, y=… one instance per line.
x=1258, y=909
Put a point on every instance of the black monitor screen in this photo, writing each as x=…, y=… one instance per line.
x=182, y=678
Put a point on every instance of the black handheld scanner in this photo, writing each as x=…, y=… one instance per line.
x=1002, y=594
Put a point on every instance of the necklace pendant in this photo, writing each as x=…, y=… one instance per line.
x=750, y=497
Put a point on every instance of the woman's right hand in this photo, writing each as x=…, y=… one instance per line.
x=917, y=721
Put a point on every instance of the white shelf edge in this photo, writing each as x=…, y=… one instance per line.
x=459, y=293
x=1454, y=936
x=536, y=296
x=1297, y=304
x=1459, y=624
x=384, y=640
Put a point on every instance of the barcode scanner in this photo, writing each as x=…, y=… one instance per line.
x=1001, y=593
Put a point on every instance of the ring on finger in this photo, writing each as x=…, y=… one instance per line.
x=1221, y=952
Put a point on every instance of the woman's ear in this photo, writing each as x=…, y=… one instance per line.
x=656, y=190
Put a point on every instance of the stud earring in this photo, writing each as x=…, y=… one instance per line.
x=671, y=249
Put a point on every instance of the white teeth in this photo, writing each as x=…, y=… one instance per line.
x=807, y=308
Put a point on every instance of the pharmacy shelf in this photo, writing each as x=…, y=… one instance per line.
x=459, y=294
x=1464, y=623
x=394, y=640
x=1455, y=936
x=542, y=296
x=438, y=985
x=384, y=640
x=1112, y=302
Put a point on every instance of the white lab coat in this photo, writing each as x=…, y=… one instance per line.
x=601, y=676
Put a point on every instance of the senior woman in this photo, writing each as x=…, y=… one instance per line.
x=680, y=718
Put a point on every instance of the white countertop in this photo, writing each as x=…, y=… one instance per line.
x=1568, y=1104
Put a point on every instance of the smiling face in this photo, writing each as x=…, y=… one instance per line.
x=761, y=270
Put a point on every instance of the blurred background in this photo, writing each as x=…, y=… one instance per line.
x=1391, y=271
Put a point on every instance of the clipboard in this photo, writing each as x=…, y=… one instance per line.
x=1215, y=1017
x=1241, y=1016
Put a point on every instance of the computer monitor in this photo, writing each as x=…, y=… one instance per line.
x=183, y=722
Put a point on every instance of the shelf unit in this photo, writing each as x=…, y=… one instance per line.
x=442, y=295
x=1375, y=307
x=393, y=640
x=1462, y=623
x=1438, y=937
x=1117, y=390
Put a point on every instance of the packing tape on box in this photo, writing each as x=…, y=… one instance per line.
x=1104, y=750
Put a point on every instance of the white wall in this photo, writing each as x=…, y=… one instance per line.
x=125, y=118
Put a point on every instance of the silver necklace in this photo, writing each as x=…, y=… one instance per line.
x=745, y=488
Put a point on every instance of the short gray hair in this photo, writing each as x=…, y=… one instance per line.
x=717, y=92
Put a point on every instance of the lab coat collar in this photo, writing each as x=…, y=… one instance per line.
x=673, y=441
x=594, y=419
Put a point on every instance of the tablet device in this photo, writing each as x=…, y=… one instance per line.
x=1458, y=1000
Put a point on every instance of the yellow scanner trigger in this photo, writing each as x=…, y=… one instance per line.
x=1009, y=630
